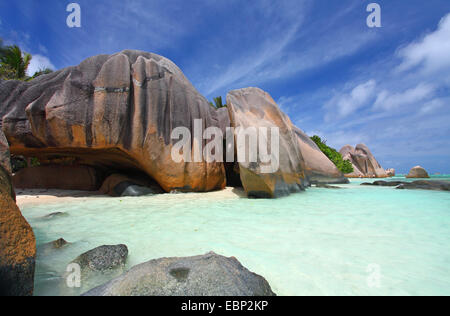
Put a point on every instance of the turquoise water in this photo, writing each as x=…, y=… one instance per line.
x=354, y=241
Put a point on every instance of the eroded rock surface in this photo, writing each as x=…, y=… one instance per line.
x=112, y=112
x=207, y=275
x=17, y=241
x=254, y=108
x=364, y=163
x=318, y=168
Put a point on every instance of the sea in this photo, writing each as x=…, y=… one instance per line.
x=351, y=240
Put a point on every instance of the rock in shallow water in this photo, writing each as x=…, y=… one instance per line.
x=418, y=172
x=55, y=214
x=57, y=244
x=207, y=275
x=422, y=184
x=103, y=258
x=51, y=247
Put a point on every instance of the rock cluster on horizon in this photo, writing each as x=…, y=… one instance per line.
x=364, y=163
x=390, y=172
x=115, y=113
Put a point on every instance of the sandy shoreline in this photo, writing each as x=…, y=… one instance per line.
x=47, y=196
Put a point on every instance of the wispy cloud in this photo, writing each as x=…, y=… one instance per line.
x=390, y=101
x=289, y=47
x=344, y=104
x=431, y=53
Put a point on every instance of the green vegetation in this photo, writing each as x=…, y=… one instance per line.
x=20, y=162
x=218, y=103
x=344, y=166
x=41, y=72
x=14, y=64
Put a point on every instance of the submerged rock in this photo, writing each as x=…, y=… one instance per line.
x=103, y=258
x=384, y=183
x=421, y=184
x=50, y=247
x=418, y=172
x=326, y=186
x=207, y=275
x=59, y=243
x=254, y=108
x=17, y=241
x=426, y=185
x=364, y=163
x=55, y=214
x=112, y=112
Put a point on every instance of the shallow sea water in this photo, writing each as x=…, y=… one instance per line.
x=354, y=241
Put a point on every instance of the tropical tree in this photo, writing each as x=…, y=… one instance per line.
x=14, y=63
x=218, y=103
x=344, y=166
x=41, y=72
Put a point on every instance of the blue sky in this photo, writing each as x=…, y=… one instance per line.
x=387, y=87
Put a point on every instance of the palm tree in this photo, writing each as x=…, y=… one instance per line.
x=217, y=103
x=12, y=58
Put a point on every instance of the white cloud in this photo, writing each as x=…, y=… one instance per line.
x=344, y=104
x=389, y=101
x=39, y=62
x=432, y=52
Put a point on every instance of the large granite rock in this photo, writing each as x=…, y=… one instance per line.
x=17, y=241
x=112, y=112
x=318, y=168
x=207, y=275
x=364, y=163
x=254, y=108
x=61, y=177
x=418, y=172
